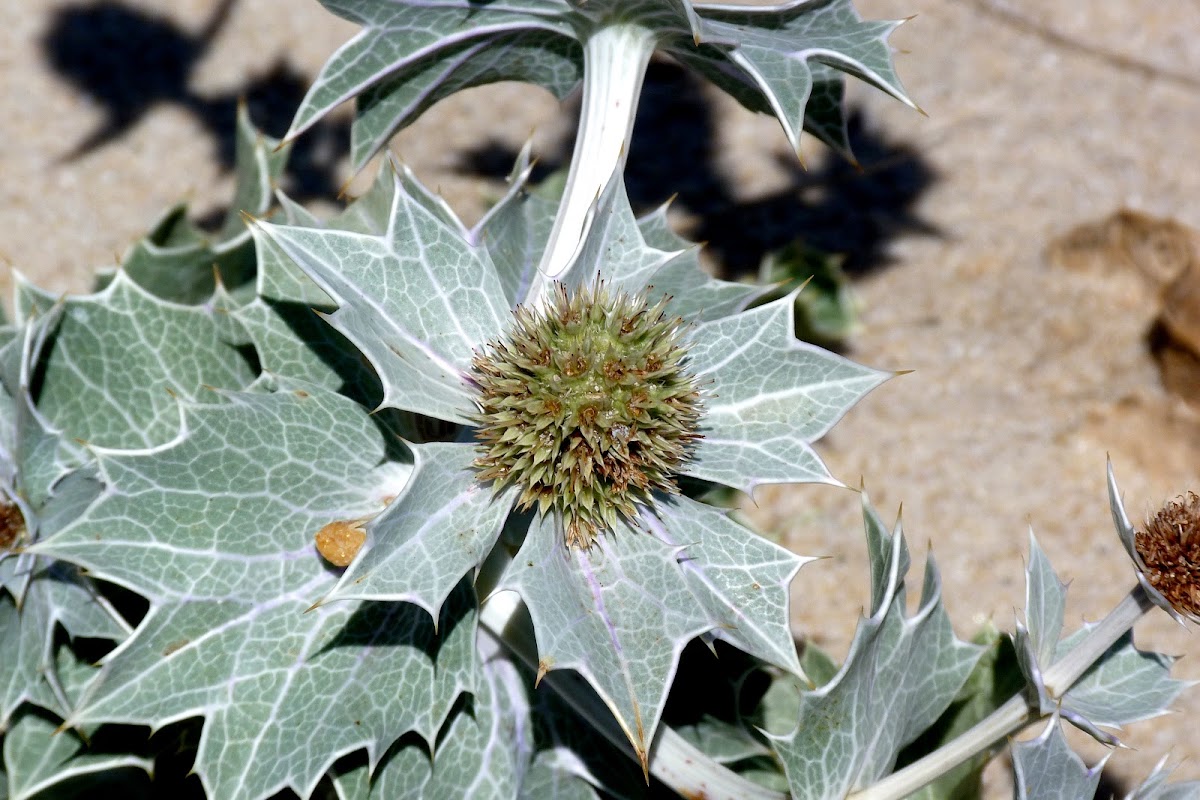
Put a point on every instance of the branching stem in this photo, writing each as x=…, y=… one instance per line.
x=1017, y=712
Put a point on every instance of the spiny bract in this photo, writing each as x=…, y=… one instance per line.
x=587, y=405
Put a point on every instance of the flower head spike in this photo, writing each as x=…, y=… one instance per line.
x=587, y=406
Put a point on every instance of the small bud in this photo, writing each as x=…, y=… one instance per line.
x=587, y=407
x=1170, y=550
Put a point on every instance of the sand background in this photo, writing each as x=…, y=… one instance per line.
x=1028, y=367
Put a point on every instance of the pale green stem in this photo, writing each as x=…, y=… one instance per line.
x=1017, y=712
x=673, y=760
x=614, y=66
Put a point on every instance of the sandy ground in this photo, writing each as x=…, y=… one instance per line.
x=1028, y=369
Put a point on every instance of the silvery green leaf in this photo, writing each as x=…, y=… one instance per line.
x=399, y=775
x=1155, y=787
x=697, y=296
x=1045, y=599
x=415, y=300
x=215, y=528
x=767, y=397
x=54, y=594
x=43, y=478
x=739, y=580
x=259, y=161
x=657, y=231
x=484, y=753
x=292, y=341
x=440, y=528
x=616, y=250
x=778, y=56
x=282, y=321
x=372, y=210
x=900, y=675
x=993, y=682
x=122, y=359
x=1125, y=685
x=789, y=60
x=574, y=760
x=1031, y=669
x=619, y=614
x=552, y=775
x=516, y=229
x=34, y=456
x=888, y=557
x=178, y=262
x=554, y=63
x=399, y=44
x=278, y=279
x=38, y=757
x=1046, y=768
x=722, y=741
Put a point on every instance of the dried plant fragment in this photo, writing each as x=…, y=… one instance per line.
x=1170, y=549
x=339, y=541
x=12, y=525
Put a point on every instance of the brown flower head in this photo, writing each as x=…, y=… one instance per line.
x=12, y=525
x=1169, y=548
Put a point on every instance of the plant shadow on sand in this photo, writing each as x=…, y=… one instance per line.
x=129, y=62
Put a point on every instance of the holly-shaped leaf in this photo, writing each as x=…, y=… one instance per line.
x=790, y=59
x=516, y=228
x=442, y=526
x=770, y=396
x=39, y=756
x=619, y=614
x=739, y=580
x=178, y=262
x=421, y=350
x=901, y=673
x=1045, y=600
x=790, y=54
x=1124, y=685
x=216, y=529
x=618, y=250
x=122, y=359
x=1155, y=787
x=1046, y=768
x=42, y=487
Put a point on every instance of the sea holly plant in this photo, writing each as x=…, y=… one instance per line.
x=386, y=505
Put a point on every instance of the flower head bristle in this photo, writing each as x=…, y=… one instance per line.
x=587, y=406
x=1170, y=549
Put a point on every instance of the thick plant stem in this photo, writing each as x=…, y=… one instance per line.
x=614, y=66
x=1017, y=712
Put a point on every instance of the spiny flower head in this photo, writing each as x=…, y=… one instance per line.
x=1170, y=550
x=587, y=405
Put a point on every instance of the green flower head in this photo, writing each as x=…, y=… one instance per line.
x=586, y=405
